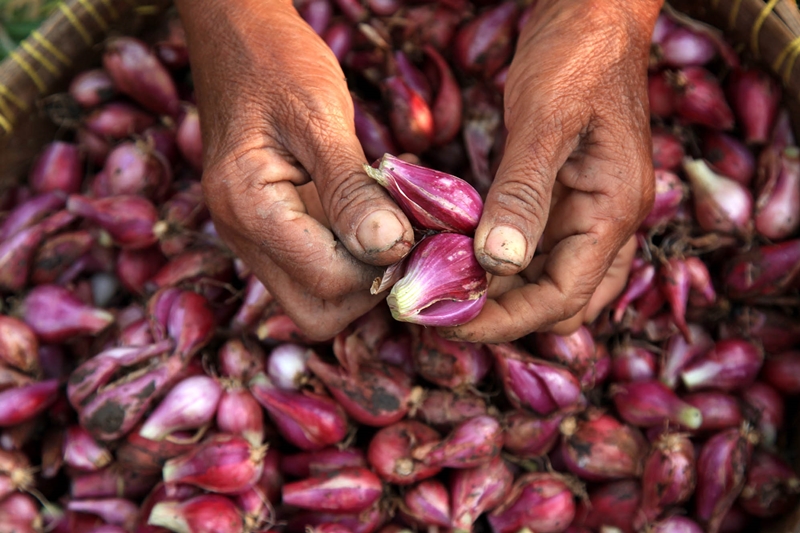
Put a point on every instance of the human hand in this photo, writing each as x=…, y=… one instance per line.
x=276, y=116
x=576, y=178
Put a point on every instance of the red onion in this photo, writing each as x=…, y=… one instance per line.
x=118, y=120
x=375, y=396
x=699, y=99
x=389, y=452
x=238, y=413
x=317, y=13
x=639, y=282
x=173, y=55
x=683, y=47
x=384, y=8
x=729, y=156
x=431, y=24
x=764, y=406
x=225, y=464
x=279, y=327
x=58, y=167
x=309, y=421
x=190, y=324
x=409, y=116
x=413, y=76
x=483, y=119
x=447, y=107
x=445, y=409
x=112, y=482
x=96, y=371
x=81, y=451
x=474, y=491
x=611, y=506
x=530, y=435
x=91, y=88
x=255, y=300
x=364, y=522
x=670, y=193
x=720, y=204
x=115, y=409
x=777, y=211
x=534, y=383
x=575, y=351
x=19, y=346
x=669, y=476
x=661, y=95
x=674, y=283
x=471, y=443
x=132, y=168
x=782, y=371
x=432, y=200
x=700, y=280
x=600, y=448
x=540, y=502
x=135, y=267
x=128, y=219
x=241, y=361
x=721, y=467
x=483, y=45
x=207, y=513
x=375, y=137
x=449, y=364
x=188, y=138
x=23, y=403
x=763, y=270
x=114, y=511
x=17, y=252
x=29, y=212
x=428, y=504
x=349, y=490
x=305, y=464
x=55, y=314
x=189, y=405
x=755, y=96
x=719, y=410
x=668, y=150
x=676, y=524
x=771, y=486
x=731, y=364
x=651, y=403
x=203, y=265
x=136, y=71
x=58, y=253
x=632, y=363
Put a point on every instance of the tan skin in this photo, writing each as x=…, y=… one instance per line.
x=577, y=171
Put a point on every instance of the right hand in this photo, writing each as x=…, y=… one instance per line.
x=277, y=114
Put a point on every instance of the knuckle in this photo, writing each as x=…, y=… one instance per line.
x=524, y=197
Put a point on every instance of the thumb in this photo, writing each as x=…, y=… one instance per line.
x=361, y=213
x=541, y=136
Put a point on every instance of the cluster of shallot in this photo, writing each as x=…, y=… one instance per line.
x=150, y=383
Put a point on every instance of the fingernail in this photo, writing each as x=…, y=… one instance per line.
x=506, y=245
x=379, y=231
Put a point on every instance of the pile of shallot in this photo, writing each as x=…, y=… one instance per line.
x=150, y=383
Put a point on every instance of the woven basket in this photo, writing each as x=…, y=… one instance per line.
x=68, y=41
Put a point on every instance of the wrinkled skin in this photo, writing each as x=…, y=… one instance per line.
x=577, y=171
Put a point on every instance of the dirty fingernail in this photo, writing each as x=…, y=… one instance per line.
x=506, y=245
x=380, y=231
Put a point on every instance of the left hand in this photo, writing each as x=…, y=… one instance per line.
x=577, y=175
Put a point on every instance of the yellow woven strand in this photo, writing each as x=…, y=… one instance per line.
x=29, y=70
x=762, y=17
x=95, y=15
x=5, y=108
x=6, y=124
x=50, y=47
x=776, y=65
x=13, y=97
x=34, y=53
x=788, y=66
x=146, y=10
x=110, y=8
x=734, y=14
x=76, y=23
